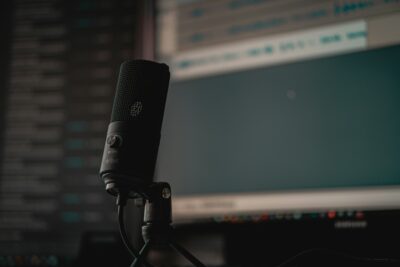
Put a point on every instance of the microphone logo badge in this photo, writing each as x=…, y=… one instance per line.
x=136, y=108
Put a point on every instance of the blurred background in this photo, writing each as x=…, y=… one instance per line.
x=281, y=130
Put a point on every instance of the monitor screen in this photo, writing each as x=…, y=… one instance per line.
x=59, y=66
x=280, y=107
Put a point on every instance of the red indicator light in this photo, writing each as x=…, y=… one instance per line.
x=331, y=214
x=360, y=215
x=264, y=217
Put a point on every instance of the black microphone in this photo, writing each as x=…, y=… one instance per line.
x=133, y=136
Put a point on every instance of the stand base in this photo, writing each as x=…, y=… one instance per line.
x=179, y=249
x=157, y=230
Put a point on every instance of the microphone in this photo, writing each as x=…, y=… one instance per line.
x=133, y=135
x=130, y=154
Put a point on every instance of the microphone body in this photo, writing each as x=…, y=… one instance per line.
x=133, y=135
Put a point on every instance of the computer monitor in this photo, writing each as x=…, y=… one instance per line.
x=59, y=66
x=280, y=109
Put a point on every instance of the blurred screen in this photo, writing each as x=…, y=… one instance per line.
x=280, y=106
x=60, y=67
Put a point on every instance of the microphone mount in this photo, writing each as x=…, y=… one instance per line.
x=157, y=230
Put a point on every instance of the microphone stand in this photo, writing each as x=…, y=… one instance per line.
x=157, y=230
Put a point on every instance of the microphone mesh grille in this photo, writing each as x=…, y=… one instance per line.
x=142, y=87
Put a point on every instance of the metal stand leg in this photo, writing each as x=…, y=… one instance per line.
x=186, y=254
x=143, y=252
x=157, y=229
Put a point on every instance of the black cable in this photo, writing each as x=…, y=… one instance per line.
x=122, y=231
x=121, y=202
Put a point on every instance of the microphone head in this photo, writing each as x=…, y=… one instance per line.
x=140, y=80
x=133, y=135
